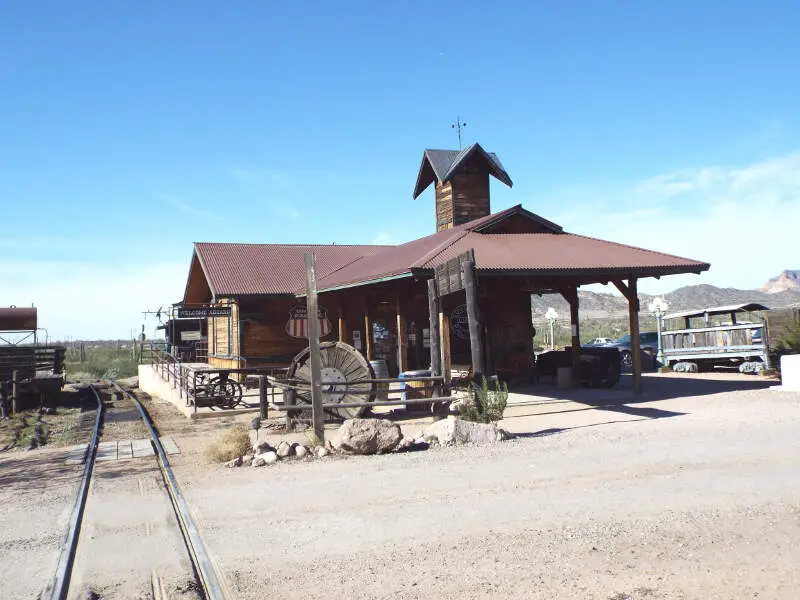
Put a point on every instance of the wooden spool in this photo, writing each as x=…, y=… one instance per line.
x=343, y=372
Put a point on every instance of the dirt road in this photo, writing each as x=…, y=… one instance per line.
x=676, y=497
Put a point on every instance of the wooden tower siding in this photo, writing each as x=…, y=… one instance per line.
x=465, y=197
x=444, y=206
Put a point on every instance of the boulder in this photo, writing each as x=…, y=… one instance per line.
x=368, y=436
x=284, y=450
x=236, y=462
x=262, y=447
x=451, y=430
x=247, y=458
x=269, y=458
x=300, y=451
x=258, y=461
x=322, y=452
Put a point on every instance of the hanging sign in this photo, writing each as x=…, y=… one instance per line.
x=357, y=339
x=204, y=312
x=448, y=274
x=297, y=325
x=459, y=323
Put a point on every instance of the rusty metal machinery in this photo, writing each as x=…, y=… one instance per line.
x=347, y=377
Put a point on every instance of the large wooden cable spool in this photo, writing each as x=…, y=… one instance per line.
x=346, y=376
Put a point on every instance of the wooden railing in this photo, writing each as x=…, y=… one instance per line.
x=196, y=383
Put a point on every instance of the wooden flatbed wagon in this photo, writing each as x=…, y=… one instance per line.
x=721, y=336
x=29, y=372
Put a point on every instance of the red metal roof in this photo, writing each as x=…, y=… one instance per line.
x=545, y=253
x=565, y=253
x=262, y=269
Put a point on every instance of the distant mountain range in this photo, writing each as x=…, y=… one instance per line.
x=779, y=292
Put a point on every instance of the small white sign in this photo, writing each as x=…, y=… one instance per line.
x=357, y=340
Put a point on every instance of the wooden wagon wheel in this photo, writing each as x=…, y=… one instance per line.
x=225, y=393
x=343, y=371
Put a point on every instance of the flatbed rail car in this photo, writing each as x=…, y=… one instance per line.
x=720, y=336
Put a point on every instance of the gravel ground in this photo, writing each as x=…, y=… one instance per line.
x=674, y=497
x=37, y=492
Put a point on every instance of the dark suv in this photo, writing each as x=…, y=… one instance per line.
x=648, y=340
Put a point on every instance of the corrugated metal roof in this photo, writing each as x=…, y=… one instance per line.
x=718, y=310
x=535, y=253
x=261, y=269
x=566, y=252
x=442, y=165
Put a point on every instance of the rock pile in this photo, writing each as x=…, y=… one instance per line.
x=376, y=436
x=452, y=431
x=264, y=454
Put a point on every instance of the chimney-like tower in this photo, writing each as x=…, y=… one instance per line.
x=462, y=183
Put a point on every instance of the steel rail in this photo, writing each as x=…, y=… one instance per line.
x=59, y=586
x=201, y=561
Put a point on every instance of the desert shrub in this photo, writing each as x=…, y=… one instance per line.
x=229, y=444
x=790, y=341
x=490, y=404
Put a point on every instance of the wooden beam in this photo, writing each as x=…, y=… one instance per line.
x=344, y=334
x=314, y=350
x=402, y=338
x=433, y=315
x=475, y=337
x=368, y=340
x=636, y=346
x=570, y=294
x=444, y=332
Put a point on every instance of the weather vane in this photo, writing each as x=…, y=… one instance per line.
x=459, y=125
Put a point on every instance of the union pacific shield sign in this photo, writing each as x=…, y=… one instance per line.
x=297, y=325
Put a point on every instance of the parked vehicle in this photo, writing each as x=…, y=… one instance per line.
x=648, y=341
x=600, y=341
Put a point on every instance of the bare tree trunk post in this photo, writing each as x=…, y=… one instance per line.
x=14, y=392
x=263, y=384
x=473, y=321
x=314, y=351
x=433, y=313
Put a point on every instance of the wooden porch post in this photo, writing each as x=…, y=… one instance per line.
x=570, y=294
x=368, y=336
x=444, y=332
x=402, y=339
x=433, y=318
x=475, y=341
x=631, y=293
x=344, y=335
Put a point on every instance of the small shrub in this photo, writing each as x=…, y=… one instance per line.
x=790, y=342
x=490, y=406
x=229, y=444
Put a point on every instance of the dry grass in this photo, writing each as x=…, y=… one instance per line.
x=229, y=444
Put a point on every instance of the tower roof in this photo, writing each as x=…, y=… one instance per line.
x=442, y=165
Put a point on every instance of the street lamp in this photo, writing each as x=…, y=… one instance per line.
x=659, y=306
x=551, y=315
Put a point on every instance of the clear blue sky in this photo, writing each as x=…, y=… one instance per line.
x=128, y=130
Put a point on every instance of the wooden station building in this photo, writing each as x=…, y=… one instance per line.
x=376, y=298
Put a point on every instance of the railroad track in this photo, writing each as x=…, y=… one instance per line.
x=207, y=583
